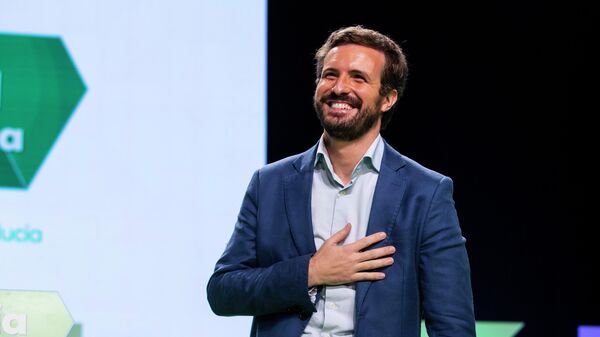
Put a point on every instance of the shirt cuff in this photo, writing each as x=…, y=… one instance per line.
x=312, y=293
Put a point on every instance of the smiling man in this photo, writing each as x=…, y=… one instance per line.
x=349, y=238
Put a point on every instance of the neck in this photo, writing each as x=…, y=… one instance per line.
x=345, y=155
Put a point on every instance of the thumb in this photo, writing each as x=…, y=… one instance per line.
x=340, y=235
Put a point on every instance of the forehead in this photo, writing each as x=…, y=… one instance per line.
x=353, y=57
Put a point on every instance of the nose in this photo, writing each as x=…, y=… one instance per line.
x=341, y=86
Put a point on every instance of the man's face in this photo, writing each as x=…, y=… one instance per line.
x=347, y=99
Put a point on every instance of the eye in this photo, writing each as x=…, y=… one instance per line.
x=329, y=75
x=359, y=78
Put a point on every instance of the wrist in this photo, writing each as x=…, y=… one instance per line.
x=313, y=280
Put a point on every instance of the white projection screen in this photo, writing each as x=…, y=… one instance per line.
x=129, y=131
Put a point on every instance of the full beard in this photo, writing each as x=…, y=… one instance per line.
x=351, y=129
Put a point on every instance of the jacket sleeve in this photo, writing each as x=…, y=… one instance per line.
x=239, y=286
x=444, y=269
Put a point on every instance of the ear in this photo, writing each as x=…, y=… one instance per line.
x=389, y=100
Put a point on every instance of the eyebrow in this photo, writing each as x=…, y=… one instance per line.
x=352, y=72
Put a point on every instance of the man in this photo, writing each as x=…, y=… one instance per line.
x=349, y=238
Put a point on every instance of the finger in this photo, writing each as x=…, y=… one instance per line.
x=368, y=276
x=374, y=264
x=340, y=235
x=376, y=253
x=367, y=241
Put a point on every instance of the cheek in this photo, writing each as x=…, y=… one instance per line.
x=320, y=91
x=324, y=86
x=368, y=96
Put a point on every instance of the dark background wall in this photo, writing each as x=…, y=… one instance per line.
x=496, y=99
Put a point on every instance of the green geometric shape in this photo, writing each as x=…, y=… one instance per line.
x=39, y=90
x=33, y=314
x=490, y=329
x=75, y=331
x=498, y=329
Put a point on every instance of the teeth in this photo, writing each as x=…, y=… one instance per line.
x=341, y=106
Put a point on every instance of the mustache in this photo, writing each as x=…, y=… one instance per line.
x=346, y=98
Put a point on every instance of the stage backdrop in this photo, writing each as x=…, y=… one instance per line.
x=128, y=134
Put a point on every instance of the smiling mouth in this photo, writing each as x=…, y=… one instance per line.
x=338, y=109
x=340, y=105
x=336, y=105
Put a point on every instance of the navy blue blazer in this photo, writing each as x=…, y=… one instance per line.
x=264, y=269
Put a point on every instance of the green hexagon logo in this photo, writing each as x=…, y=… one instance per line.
x=33, y=314
x=40, y=88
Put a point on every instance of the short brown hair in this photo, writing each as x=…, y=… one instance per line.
x=395, y=70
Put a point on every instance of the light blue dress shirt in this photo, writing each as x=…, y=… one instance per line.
x=333, y=206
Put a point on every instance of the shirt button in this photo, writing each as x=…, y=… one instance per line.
x=331, y=305
x=325, y=335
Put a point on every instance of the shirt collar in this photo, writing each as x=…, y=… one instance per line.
x=371, y=159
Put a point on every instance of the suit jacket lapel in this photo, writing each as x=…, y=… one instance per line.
x=389, y=192
x=297, y=196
